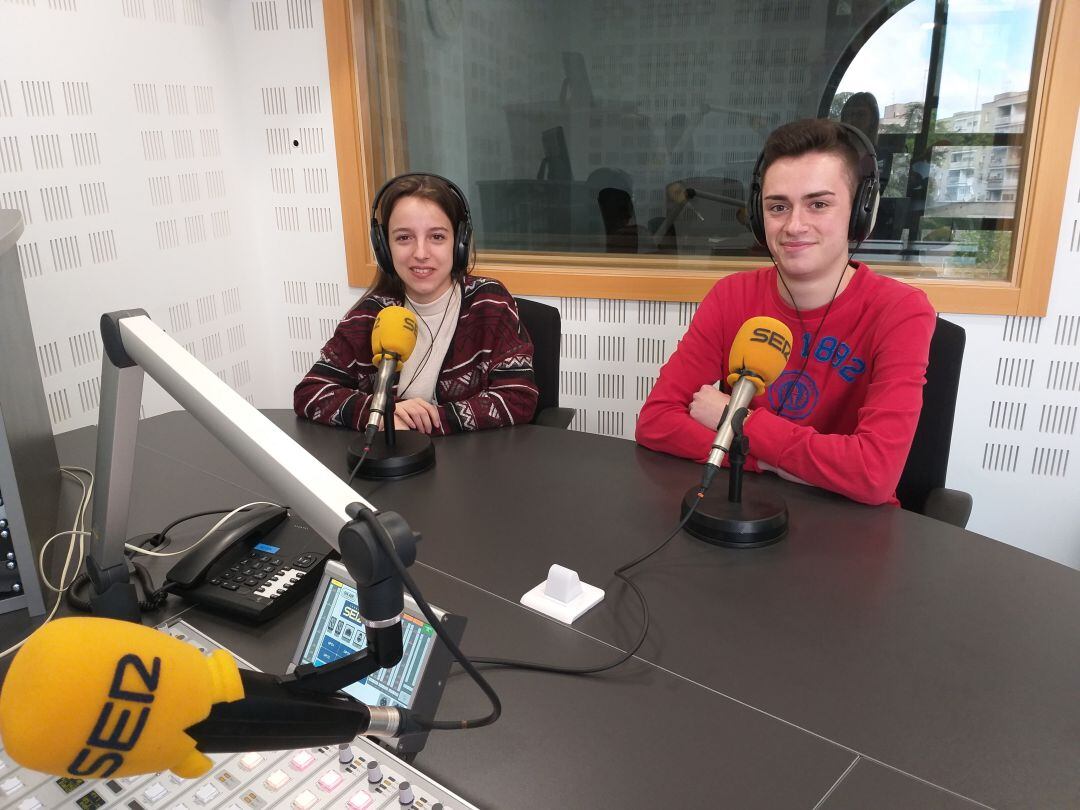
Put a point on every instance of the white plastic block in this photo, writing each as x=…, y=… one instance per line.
x=562, y=595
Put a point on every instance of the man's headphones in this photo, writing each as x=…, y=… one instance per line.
x=864, y=206
x=380, y=235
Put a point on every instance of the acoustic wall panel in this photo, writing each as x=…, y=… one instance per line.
x=120, y=161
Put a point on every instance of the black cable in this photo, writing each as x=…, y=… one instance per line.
x=431, y=335
x=430, y=724
x=360, y=463
x=620, y=573
x=153, y=597
x=798, y=313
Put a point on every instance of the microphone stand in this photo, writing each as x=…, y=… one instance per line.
x=759, y=520
x=301, y=710
x=683, y=200
x=720, y=198
x=398, y=455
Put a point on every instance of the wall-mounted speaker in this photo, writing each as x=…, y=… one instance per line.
x=29, y=468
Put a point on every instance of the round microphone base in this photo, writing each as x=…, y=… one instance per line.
x=753, y=522
x=412, y=453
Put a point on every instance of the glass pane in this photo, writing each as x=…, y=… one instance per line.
x=952, y=182
x=632, y=126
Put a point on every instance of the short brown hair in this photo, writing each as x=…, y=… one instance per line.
x=810, y=135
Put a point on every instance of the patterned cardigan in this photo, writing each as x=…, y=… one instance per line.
x=486, y=379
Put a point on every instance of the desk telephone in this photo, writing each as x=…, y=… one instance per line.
x=253, y=567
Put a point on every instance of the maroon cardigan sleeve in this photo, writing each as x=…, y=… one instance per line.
x=338, y=388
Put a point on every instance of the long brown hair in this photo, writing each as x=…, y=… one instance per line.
x=426, y=187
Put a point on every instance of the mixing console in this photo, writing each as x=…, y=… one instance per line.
x=361, y=776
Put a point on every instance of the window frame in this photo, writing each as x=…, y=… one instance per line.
x=1053, y=101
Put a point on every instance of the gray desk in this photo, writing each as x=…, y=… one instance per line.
x=874, y=658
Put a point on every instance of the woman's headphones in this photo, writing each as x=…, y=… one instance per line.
x=864, y=206
x=380, y=235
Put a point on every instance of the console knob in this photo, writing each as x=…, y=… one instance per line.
x=374, y=772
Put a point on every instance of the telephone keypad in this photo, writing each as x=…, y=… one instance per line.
x=259, y=584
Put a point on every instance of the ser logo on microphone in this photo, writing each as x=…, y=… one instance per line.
x=406, y=321
x=778, y=341
x=130, y=695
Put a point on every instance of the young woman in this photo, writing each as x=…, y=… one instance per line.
x=472, y=366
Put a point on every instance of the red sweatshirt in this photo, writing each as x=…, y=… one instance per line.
x=848, y=420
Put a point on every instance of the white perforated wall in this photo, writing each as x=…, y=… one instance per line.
x=1016, y=443
x=118, y=144
x=295, y=211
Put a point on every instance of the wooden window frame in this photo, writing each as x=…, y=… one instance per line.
x=351, y=24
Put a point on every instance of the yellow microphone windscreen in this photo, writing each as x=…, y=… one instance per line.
x=394, y=333
x=761, y=348
x=90, y=697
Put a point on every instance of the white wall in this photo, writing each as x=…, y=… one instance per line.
x=119, y=142
x=257, y=295
x=1016, y=442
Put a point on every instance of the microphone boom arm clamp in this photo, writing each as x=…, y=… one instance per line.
x=380, y=590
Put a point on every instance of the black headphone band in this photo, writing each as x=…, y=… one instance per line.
x=462, y=231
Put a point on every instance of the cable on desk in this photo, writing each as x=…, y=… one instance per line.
x=359, y=464
x=77, y=533
x=431, y=724
x=155, y=597
x=620, y=572
x=162, y=535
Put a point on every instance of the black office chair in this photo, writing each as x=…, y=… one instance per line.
x=922, y=483
x=614, y=193
x=544, y=325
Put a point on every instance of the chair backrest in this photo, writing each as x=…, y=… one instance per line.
x=544, y=325
x=928, y=460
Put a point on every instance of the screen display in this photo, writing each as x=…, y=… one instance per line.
x=338, y=632
x=266, y=547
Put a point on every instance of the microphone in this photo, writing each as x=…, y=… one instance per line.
x=92, y=698
x=759, y=353
x=393, y=339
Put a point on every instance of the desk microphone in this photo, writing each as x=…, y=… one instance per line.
x=92, y=698
x=758, y=356
x=393, y=339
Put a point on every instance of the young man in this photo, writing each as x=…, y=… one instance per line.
x=843, y=413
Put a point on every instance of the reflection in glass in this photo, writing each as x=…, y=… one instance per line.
x=631, y=127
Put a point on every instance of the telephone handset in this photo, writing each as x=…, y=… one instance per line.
x=254, y=566
x=191, y=570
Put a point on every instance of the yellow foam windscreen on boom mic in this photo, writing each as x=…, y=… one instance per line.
x=759, y=352
x=92, y=697
x=394, y=333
